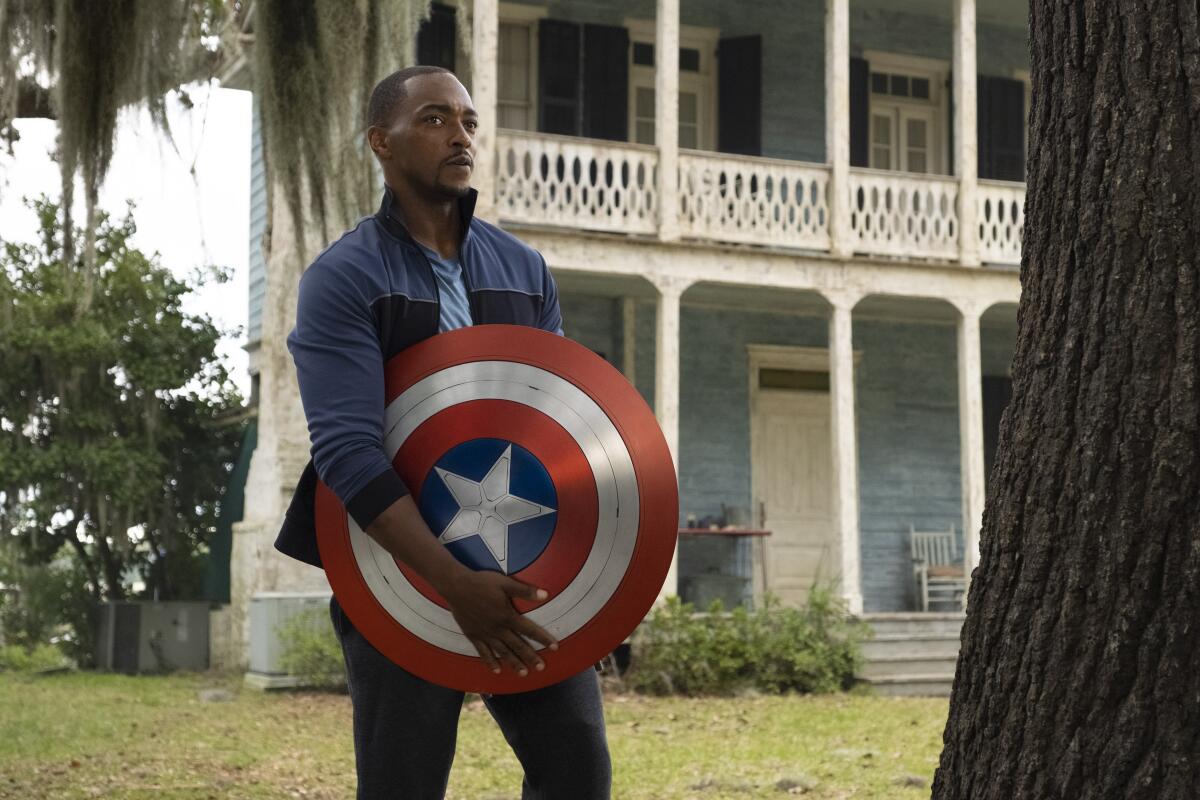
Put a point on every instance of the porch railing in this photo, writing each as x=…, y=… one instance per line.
x=591, y=184
x=900, y=214
x=753, y=200
x=581, y=183
x=1001, y=214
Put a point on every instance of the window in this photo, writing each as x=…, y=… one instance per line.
x=697, y=85
x=908, y=114
x=515, y=91
x=517, y=51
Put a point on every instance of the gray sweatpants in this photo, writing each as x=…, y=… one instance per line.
x=405, y=729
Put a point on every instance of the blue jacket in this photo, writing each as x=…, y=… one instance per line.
x=367, y=297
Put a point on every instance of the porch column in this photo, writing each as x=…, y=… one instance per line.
x=666, y=116
x=966, y=155
x=666, y=386
x=837, y=123
x=485, y=31
x=970, y=423
x=845, y=446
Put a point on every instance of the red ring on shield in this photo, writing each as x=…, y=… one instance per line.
x=657, y=501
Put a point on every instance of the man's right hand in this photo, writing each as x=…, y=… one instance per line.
x=481, y=603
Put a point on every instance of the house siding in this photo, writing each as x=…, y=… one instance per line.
x=257, y=276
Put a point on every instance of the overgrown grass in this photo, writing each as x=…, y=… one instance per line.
x=85, y=735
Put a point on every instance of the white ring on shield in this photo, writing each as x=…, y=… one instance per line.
x=606, y=454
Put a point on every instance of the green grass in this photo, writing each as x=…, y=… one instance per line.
x=84, y=735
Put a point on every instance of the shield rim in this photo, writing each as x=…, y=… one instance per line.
x=658, y=498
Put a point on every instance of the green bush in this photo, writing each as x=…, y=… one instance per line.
x=16, y=658
x=311, y=651
x=46, y=604
x=773, y=649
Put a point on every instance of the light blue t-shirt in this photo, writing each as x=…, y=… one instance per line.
x=452, y=291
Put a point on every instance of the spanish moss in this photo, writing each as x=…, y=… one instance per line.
x=315, y=63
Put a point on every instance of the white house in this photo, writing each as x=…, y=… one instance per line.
x=814, y=283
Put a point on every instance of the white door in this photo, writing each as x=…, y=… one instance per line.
x=792, y=476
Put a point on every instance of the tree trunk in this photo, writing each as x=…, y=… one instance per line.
x=1078, y=674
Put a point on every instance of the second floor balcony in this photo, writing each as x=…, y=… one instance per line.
x=850, y=127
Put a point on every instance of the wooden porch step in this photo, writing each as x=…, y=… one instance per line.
x=932, y=685
x=902, y=666
x=930, y=645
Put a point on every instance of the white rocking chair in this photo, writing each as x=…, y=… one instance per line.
x=938, y=569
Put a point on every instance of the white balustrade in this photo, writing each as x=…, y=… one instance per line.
x=753, y=200
x=583, y=183
x=589, y=184
x=1001, y=217
x=901, y=214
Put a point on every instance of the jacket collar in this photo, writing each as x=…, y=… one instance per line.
x=389, y=214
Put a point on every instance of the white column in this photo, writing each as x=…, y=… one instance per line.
x=666, y=387
x=845, y=447
x=485, y=30
x=970, y=423
x=966, y=156
x=666, y=116
x=837, y=122
x=629, y=339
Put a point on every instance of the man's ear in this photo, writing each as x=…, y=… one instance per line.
x=377, y=139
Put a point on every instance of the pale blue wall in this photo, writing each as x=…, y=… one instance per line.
x=257, y=276
x=908, y=451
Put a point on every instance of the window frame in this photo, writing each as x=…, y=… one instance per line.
x=937, y=72
x=526, y=16
x=702, y=83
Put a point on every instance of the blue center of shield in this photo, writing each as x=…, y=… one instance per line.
x=491, y=503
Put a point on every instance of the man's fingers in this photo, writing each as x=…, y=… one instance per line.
x=523, y=651
x=485, y=653
x=532, y=630
x=500, y=646
x=523, y=590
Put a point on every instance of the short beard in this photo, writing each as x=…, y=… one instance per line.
x=452, y=192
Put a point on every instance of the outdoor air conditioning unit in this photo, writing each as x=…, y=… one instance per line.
x=152, y=637
x=268, y=613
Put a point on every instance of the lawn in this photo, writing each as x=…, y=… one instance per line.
x=85, y=735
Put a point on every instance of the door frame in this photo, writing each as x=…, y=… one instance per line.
x=772, y=356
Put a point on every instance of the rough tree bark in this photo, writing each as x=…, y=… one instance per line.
x=1079, y=675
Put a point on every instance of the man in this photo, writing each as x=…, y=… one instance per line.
x=421, y=265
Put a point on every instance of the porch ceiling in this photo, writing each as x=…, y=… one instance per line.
x=756, y=298
x=916, y=309
x=604, y=285
x=1012, y=13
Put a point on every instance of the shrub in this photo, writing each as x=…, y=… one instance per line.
x=16, y=658
x=311, y=651
x=46, y=604
x=774, y=649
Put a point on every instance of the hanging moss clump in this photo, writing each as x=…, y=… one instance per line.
x=315, y=63
x=97, y=58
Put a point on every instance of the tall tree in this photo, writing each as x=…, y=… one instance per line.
x=112, y=421
x=1077, y=676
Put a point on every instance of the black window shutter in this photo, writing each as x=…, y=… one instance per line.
x=997, y=392
x=1006, y=129
x=606, y=82
x=436, y=38
x=860, y=113
x=950, y=123
x=560, y=107
x=739, y=95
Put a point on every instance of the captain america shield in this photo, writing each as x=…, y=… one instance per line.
x=529, y=455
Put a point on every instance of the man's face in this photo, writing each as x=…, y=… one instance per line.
x=429, y=147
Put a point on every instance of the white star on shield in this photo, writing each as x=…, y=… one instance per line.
x=486, y=508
